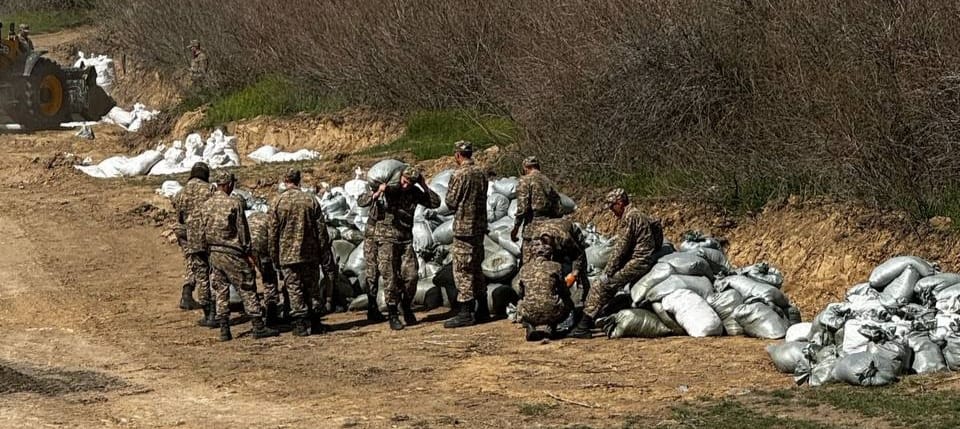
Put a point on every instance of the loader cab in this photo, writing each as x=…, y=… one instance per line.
x=10, y=49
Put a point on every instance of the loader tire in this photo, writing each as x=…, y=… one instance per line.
x=44, y=103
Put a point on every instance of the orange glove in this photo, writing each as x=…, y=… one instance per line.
x=571, y=279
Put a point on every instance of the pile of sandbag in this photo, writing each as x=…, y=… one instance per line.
x=106, y=70
x=217, y=151
x=130, y=120
x=695, y=291
x=269, y=154
x=904, y=320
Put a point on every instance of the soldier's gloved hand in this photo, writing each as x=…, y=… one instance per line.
x=571, y=279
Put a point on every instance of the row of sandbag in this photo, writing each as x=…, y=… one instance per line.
x=219, y=150
x=695, y=291
x=903, y=320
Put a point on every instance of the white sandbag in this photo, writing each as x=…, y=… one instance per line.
x=951, y=350
x=634, y=323
x=763, y=272
x=497, y=206
x=103, y=65
x=865, y=369
x=356, y=264
x=170, y=188
x=936, y=283
x=499, y=266
x=696, y=240
x=886, y=272
x=699, y=285
x=350, y=234
x=512, y=210
x=342, y=250
x=567, y=205
x=788, y=356
x=443, y=234
x=263, y=154
x=862, y=289
x=387, y=171
x=422, y=236
x=719, y=263
x=899, y=292
x=300, y=155
x=799, y=332
x=334, y=206
x=119, y=116
x=724, y=303
x=428, y=269
x=667, y=319
x=508, y=244
x=506, y=186
x=657, y=274
x=749, y=287
x=759, y=320
x=597, y=256
x=693, y=313
x=688, y=264
x=821, y=372
x=927, y=356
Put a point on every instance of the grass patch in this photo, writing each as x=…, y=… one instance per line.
x=273, y=95
x=50, y=21
x=895, y=404
x=431, y=134
x=732, y=415
x=536, y=409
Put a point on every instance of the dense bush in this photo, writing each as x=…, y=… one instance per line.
x=735, y=100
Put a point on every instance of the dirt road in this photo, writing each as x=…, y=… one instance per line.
x=91, y=337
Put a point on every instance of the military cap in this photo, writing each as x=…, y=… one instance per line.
x=292, y=176
x=194, y=44
x=411, y=173
x=531, y=161
x=25, y=27
x=615, y=195
x=463, y=146
x=223, y=176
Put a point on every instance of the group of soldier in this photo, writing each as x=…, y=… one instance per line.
x=290, y=246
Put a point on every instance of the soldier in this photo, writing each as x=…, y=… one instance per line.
x=395, y=255
x=372, y=270
x=260, y=228
x=568, y=249
x=638, y=238
x=227, y=236
x=24, y=37
x=545, y=296
x=198, y=65
x=300, y=245
x=189, y=233
x=467, y=197
x=537, y=200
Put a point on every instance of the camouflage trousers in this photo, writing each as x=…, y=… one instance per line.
x=399, y=267
x=467, y=275
x=371, y=277
x=302, y=282
x=542, y=310
x=197, y=275
x=271, y=290
x=602, y=292
x=227, y=269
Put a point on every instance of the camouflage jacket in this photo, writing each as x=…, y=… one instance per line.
x=638, y=238
x=537, y=198
x=260, y=227
x=188, y=204
x=541, y=283
x=300, y=231
x=568, y=242
x=467, y=196
x=198, y=65
x=225, y=226
x=396, y=225
x=374, y=216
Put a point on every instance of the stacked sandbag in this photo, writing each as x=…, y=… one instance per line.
x=902, y=321
x=218, y=151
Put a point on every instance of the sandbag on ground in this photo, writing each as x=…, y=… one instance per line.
x=799, y=332
x=865, y=369
x=760, y=321
x=723, y=303
x=886, y=272
x=788, y=356
x=763, y=272
x=699, y=285
x=750, y=287
x=901, y=289
x=657, y=274
x=693, y=240
x=688, y=264
x=634, y=323
x=693, y=313
x=499, y=266
x=667, y=319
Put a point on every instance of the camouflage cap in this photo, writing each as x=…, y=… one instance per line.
x=411, y=173
x=292, y=176
x=224, y=176
x=531, y=161
x=25, y=27
x=194, y=44
x=463, y=146
x=615, y=195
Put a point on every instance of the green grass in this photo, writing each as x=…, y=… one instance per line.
x=431, y=134
x=538, y=409
x=895, y=404
x=733, y=415
x=273, y=96
x=49, y=21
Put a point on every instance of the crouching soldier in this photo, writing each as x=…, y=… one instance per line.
x=545, y=295
x=227, y=236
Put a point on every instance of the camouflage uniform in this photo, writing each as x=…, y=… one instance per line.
x=394, y=237
x=371, y=275
x=227, y=235
x=300, y=244
x=24, y=37
x=537, y=200
x=546, y=299
x=198, y=66
x=260, y=228
x=568, y=247
x=188, y=204
x=638, y=238
x=467, y=196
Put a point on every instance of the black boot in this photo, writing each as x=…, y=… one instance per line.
x=393, y=315
x=260, y=330
x=209, y=318
x=408, y=318
x=225, y=334
x=316, y=323
x=463, y=318
x=300, y=327
x=272, y=316
x=373, y=312
x=186, y=299
x=532, y=333
x=483, y=309
x=583, y=329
